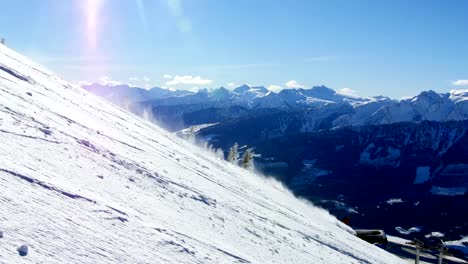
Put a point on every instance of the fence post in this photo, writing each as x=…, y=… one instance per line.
x=418, y=251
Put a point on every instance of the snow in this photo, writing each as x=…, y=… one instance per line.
x=105, y=186
x=450, y=191
x=401, y=230
x=428, y=105
x=191, y=130
x=398, y=240
x=459, y=95
x=394, y=201
x=461, y=244
x=422, y=175
x=435, y=234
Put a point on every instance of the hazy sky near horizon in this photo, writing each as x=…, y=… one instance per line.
x=395, y=48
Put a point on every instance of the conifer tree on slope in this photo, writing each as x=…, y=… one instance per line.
x=233, y=155
x=247, y=160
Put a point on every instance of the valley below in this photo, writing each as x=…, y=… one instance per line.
x=396, y=165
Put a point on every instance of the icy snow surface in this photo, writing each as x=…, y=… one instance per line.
x=82, y=181
x=401, y=230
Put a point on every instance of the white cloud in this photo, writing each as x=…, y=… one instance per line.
x=167, y=76
x=231, y=85
x=294, y=84
x=141, y=82
x=106, y=80
x=275, y=88
x=460, y=82
x=188, y=80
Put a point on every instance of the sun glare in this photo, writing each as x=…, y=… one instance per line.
x=92, y=9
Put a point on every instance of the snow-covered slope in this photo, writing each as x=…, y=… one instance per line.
x=85, y=182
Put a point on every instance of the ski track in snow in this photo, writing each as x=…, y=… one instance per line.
x=83, y=181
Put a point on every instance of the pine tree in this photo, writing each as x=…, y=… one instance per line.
x=247, y=160
x=233, y=156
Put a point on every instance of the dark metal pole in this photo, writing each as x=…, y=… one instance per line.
x=418, y=251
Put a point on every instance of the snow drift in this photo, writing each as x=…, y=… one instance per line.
x=83, y=181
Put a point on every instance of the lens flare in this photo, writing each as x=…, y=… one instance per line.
x=92, y=12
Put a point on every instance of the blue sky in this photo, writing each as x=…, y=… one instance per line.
x=396, y=48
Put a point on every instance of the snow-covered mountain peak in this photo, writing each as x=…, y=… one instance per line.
x=220, y=93
x=427, y=96
x=242, y=89
x=83, y=181
x=320, y=92
x=260, y=89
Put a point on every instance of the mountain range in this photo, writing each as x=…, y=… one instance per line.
x=175, y=108
x=372, y=159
